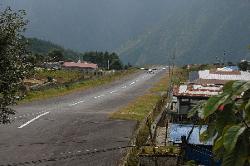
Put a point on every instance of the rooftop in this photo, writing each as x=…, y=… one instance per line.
x=80, y=65
x=224, y=75
x=197, y=90
x=210, y=81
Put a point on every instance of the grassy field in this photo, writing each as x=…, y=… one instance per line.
x=143, y=105
x=69, y=88
x=61, y=76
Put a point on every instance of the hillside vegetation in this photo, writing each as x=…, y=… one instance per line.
x=37, y=46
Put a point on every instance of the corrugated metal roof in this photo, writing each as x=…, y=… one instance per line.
x=197, y=90
x=210, y=81
x=80, y=65
x=176, y=131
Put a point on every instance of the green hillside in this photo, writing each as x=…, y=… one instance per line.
x=198, y=31
x=42, y=47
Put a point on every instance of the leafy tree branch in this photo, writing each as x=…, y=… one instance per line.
x=13, y=59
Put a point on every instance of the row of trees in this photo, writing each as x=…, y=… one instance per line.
x=54, y=55
x=244, y=66
x=104, y=60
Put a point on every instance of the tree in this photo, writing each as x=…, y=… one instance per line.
x=243, y=65
x=104, y=59
x=56, y=55
x=228, y=119
x=13, y=56
x=115, y=62
x=39, y=58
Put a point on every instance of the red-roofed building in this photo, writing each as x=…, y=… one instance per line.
x=83, y=66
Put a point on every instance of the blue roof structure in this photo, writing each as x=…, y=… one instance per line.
x=233, y=68
x=176, y=131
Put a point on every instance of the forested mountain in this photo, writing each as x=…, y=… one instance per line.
x=197, y=31
x=45, y=50
x=37, y=46
x=144, y=31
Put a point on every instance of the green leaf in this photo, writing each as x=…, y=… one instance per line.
x=209, y=133
x=214, y=102
x=244, y=86
x=218, y=144
x=231, y=136
x=196, y=109
x=238, y=157
x=237, y=84
x=247, y=110
x=192, y=112
x=228, y=86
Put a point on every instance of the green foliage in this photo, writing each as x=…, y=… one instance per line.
x=14, y=65
x=191, y=163
x=61, y=76
x=56, y=55
x=41, y=49
x=104, y=60
x=72, y=86
x=244, y=66
x=228, y=118
x=50, y=79
x=180, y=75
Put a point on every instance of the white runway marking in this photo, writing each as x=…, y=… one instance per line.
x=32, y=120
x=132, y=83
x=82, y=101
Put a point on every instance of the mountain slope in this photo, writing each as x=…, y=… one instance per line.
x=42, y=47
x=149, y=31
x=88, y=25
x=197, y=31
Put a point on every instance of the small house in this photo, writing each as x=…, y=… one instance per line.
x=81, y=66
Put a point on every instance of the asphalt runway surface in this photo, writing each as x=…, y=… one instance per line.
x=74, y=130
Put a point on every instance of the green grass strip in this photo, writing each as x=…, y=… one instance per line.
x=70, y=88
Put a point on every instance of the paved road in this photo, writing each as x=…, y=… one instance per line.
x=69, y=127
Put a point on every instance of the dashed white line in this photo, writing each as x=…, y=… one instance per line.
x=27, y=123
x=113, y=91
x=132, y=83
x=82, y=101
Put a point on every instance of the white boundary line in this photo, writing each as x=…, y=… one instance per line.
x=25, y=124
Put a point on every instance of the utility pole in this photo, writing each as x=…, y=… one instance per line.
x=108, y=64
